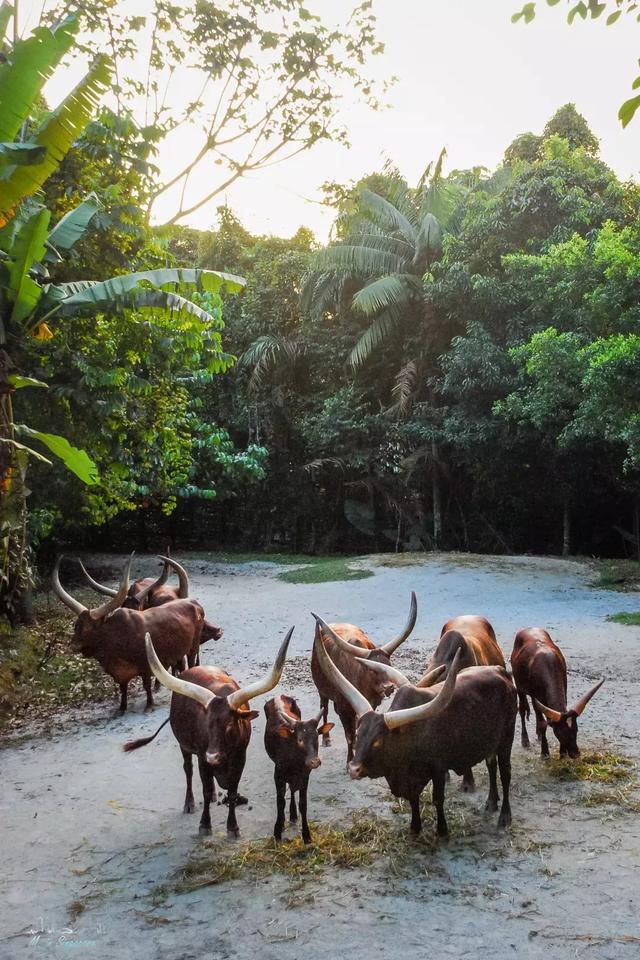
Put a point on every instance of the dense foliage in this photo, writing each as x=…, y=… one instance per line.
x=457, y=368
x=461, y=370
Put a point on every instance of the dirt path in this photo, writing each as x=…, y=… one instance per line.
x=88, y=832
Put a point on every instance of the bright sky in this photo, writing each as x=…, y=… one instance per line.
x=469, y=80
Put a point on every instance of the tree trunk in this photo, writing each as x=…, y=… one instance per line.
x=636, y=526
x=566, y=530
x=437, y=495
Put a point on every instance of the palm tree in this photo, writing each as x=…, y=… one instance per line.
x=379, y=271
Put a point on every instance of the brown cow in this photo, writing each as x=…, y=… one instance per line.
x=209, y=717
x=475, y=638
x=540, y=671
x=292, y=744
x=154, y=592
x=467, y=718
x=114, y=636
x=347, y=646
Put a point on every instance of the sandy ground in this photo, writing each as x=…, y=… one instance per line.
x=83, y=823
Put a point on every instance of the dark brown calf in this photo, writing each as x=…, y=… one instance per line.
x=292, y=744
x=114, y=635
x=348, y=647
x=540, y=671
x=209, y=718
x=455, y=724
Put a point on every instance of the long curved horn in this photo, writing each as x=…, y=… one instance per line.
x=106, y=608
x=192, y=690
x=98, y=587
x=393, y=645
x=553, y=716
x=62, y=594
x=183, y=589
x=244, y=694
x=397, y=678
x=400, y=718
x=355, y=651
x=432, y=676
x=162, y=579
x=579, y=706
x=353, y=696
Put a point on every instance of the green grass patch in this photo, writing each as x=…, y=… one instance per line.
x=605, y=767
x=629, y=619
x=621, y=575
x=250, y=556
x=325, y=571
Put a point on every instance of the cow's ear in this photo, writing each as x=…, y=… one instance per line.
x=248, y=714
x=325, y=728
x=284, y=732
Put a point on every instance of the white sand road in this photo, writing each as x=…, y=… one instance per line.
x=84, y=823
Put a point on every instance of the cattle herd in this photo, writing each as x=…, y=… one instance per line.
x=460, y=712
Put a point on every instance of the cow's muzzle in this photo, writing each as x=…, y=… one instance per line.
x=314, y=763
x=215, y=759
x=356, y=771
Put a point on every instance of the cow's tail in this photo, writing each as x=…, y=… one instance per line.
x=135, y=744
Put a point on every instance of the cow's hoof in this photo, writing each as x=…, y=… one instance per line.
x=504, y=821
x=491, y=806
x=148, y=708
x=233, y=833
x=526, y=745
x=306, y=838
x=189, y=807
x=204, y=831
x=467, y=787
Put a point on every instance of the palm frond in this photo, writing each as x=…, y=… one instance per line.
x=429, y=242
x=381, y=328
x=322, y=291
x=404, y=389
x=387, y=215
x=266, y=354
x=394, y=290
x=358, y=260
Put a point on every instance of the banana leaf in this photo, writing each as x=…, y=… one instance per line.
x=134, y=290
x=28, y=247
x=29, y=65
x=57, y=133
x=76, y=460
x=72, y=226
x=21, y=154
